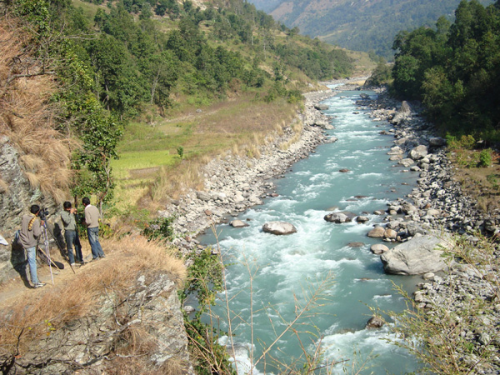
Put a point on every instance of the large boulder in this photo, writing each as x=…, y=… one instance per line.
x=403, y=114
x=378, y=249
x=377, y=232
x=406, y=162
x=279, y=228
x=437, y=142
x=340, y=217
x=238, y=224
x=420, y=255
x=375, y=322
x=418, y=152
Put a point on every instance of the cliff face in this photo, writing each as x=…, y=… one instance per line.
x=34, y=156
x=140, y=331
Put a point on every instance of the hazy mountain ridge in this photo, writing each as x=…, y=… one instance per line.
x=359, y=24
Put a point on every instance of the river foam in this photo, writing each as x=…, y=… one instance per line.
x=287, y=269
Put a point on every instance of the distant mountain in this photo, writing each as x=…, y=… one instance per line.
x=266, y=5
x=360, y=25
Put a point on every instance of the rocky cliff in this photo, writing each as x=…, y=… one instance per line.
x=118, y=315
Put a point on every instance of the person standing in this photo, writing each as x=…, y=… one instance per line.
x=92, y=221
x=71, y=234
x=31, y=229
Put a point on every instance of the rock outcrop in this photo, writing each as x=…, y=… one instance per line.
x=91, y=344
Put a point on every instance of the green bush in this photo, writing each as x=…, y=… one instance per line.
x=159, y=229
x=485, y=157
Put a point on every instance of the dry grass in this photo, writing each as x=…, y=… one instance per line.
x=174, y=181
x=297, y=128
x=475, y=183
x=53, y=307
x=26, y=116
x=237, y=127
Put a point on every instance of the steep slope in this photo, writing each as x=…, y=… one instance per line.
x=360, y=25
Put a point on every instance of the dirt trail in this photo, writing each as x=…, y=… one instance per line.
x=15, y=289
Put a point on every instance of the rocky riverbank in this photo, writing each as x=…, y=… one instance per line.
x=234, y=183
x=437, y=204
x=463, y=298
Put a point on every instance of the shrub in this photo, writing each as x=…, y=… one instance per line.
x=485, y=157
x=159, y=229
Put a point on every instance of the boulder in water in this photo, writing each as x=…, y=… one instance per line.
x=379, y=249
x=375, y=322
x=279, y=228
x=340, y=217
x=377, y=232
x=238, y=224
x=406, y=162
x=355, y=244
x=390, y=234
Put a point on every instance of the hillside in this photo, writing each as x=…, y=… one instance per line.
x=128, y=77
x=359, y=25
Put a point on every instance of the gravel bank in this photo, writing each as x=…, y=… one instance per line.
x=235, y=183
x=464, y=299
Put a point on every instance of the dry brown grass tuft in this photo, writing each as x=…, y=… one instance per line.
x=33, y=180
x=173, y=182
x=53, y=307
x=297, y=128
x=26, y=115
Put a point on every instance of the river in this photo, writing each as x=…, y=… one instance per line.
x=288, y=270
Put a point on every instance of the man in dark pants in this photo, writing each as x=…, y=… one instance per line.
x=92, y=221
x=71, y=234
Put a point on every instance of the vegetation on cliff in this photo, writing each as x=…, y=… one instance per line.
x=454, y=70
x=124, y=67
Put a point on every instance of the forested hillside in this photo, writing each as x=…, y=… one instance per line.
x=124, y=67
x=359, y=25
x=454, y=69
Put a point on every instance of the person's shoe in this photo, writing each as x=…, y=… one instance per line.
x=72, y=264
x=39, y=285
x=103, y=256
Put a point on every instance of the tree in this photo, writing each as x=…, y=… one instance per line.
x=161, y=70
x=100, y=133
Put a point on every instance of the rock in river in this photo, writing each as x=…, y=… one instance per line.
x=238, y=224
x=379, y=249
x=340, y=217
x=375, y=322
x=279, y=228
x=377, y=232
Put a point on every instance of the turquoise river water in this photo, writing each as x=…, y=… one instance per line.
x=286, y=269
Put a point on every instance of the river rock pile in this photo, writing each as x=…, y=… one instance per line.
x=235, y=183
x=438, y=202
x=470, y=293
